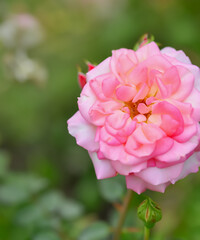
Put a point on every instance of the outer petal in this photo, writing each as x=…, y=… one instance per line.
x=157, y=176
x=86, y=100
x=83, y=131
x=191, y=165
x=194, y=100
x=103, y=167
x=125, y=169
x=147, y=50
x=179, y=55
x=138, y=185
x=102, y=68
x=186, y=86
x=179, y=58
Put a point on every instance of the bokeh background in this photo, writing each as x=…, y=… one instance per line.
x=48, y=188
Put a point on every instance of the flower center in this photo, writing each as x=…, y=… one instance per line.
x=133, y=108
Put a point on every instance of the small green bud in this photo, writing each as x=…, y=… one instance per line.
x=149, y=212
x=144, y=39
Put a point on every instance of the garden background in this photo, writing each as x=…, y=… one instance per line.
x=48, y=188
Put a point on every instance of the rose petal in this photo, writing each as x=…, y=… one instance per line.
x=83, y=131
x=179, y=150
x=85, y=101
x=188, y=132
x=191, y=165
x=125, y=169
x=138, y=75
x=157, y=176
x=147, y=51
x=169, y=114
x=122, y=61
x=186, y=84
x=103, y=167
x=141, y=94
x=126, y=93
x=138, y=185
x=194, y=100
x=108, y=85
x=102, y=68
x=179, y=55
x=142, y=108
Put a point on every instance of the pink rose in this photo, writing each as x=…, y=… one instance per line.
x=138, y=116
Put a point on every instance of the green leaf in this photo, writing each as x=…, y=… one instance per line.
x=112, y=189
x=50, y=235
x=96, y=231
x=29, y=182
x=70, y=209
x=56, y=202
x=9, y=194
x=50, y=222
x=29, y=215
x=20, y=187
x=51, y=201
x=92, y=201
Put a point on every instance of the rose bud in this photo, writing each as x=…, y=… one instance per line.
x=81, y=79
x=149, y=212
x=90, y=66
x=82, y=76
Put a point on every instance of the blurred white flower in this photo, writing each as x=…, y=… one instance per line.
x=21, y=31
x=22, y=68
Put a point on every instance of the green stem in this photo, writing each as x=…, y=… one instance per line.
x=146, y=233
x=122, y=215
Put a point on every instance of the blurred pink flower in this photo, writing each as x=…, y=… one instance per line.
x=138, y=116
x=21, y=31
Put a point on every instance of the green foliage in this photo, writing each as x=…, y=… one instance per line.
x=96, y=231
x=113, y=189
x=4, y=163
x=47, y=236
x=27, y=203
x=18, y=188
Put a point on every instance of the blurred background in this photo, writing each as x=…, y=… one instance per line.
x=48, y=188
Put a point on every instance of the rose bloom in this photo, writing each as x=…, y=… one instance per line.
x=138, y=116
